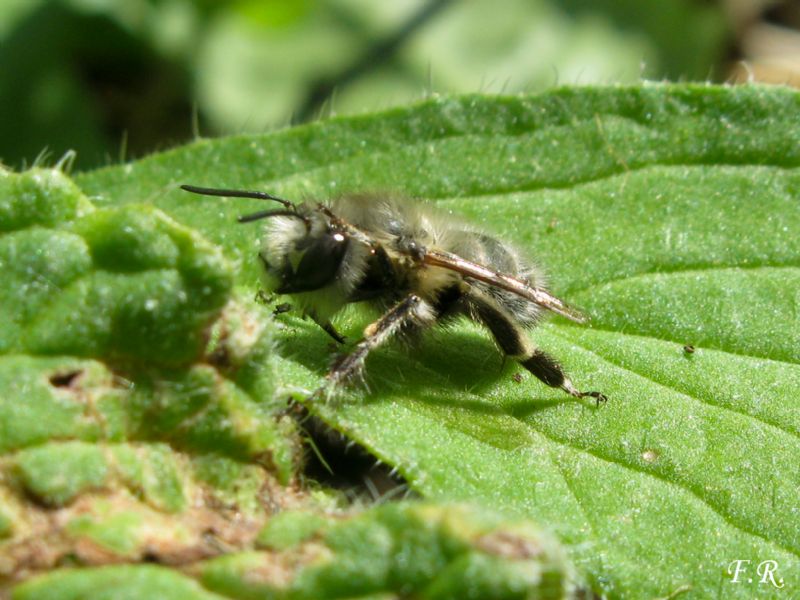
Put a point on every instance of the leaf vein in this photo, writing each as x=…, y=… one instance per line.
x=685, y=270
x=792, y=434
x=686, y=488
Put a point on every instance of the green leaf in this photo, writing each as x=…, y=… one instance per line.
x=667, y=213
x=121, y=283
x=428, y=551
x=125, y=429
x=113, y=583
x=414, y=549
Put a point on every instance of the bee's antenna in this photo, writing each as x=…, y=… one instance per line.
x=237, y=194
x=263, y=214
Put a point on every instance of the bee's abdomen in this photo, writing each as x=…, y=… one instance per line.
x=498, y=256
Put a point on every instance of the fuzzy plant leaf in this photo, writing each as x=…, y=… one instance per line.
x=669, y=214
x=422, y=550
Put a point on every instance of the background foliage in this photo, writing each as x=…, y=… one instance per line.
x=119, y=78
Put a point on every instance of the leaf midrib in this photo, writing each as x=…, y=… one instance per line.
x=696, y=268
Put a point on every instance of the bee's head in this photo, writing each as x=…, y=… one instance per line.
x=304, y=245
x=303, y=251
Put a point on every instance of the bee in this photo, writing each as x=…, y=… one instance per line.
x=419, y=268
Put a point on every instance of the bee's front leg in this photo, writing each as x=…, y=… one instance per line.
x=411, y=311
x=328, y=328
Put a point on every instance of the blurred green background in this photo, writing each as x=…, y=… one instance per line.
x=117, y=79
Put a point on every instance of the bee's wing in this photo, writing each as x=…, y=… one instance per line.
x=536, y=295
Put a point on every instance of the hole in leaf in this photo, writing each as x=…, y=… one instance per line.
x=65, y=379
x=339, y=463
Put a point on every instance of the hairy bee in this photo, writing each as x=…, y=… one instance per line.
x=415, y=265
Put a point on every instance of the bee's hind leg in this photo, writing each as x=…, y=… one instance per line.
x=411, y=311
x=513, y=341
x=548, y=370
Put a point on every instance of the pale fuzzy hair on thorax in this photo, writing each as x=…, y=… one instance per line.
x=387, y=216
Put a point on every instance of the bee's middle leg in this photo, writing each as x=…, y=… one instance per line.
x=411, y=311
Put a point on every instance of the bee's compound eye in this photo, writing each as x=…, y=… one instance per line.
x=315, y=263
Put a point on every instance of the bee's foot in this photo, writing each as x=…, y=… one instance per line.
x=572, y=391
x=598, y=397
